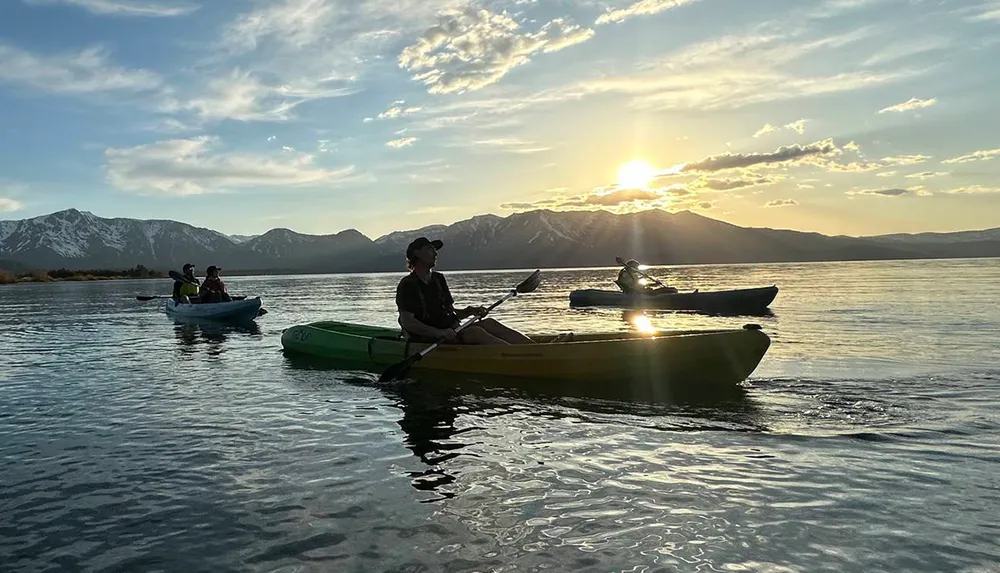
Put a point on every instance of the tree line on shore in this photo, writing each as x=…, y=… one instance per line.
x=136, y=272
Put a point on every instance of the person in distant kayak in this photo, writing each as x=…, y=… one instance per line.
x=213, y=289
x=427, y=310
x=184, y=290
x=632, y=282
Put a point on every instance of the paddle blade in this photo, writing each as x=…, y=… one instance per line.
x=145, y=298
x=531, y=283
x=399, y=369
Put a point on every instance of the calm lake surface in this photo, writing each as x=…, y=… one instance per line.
x=868, y=438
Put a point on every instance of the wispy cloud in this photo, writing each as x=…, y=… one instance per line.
x=737, y=71
x=10, y=205
x=401, y=142
x=640, y=8
x=397, y=110
x=798, y=127
x=127, y=7
x=927, y=175
x=729, y=183
x=892, y=192
x=243, y=96
x=974, y=190
x=506, y=144
x=909, y=105
x=784, y=154
x=781, y=203
x=471, y=49
x=86, y=72
x=192, y=167
x=979, y=155
x=768, y=128
x=905, y=159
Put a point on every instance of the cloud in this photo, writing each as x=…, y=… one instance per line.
x=905, y=159
x=471, y=49
x=886, y=174
x=86, y=72
x=401, y=142
x=191, y=167
x=126, y=7
x=798, y=127
x=927, y=175
x=790, y=153
x=989, y=12
x=244, y=97
x=397, y=111
x=640, y=8
x=726, y=184
x=974, y=190
x=980, y=155
x=781, y=203
x=741, y=70
x=619, y=196
x=893, y=192
x=9, y=205
x=909, y=105
x=506, y=144
x=768, y=128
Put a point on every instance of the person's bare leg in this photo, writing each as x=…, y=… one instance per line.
x=477, y=335
x=502, y=332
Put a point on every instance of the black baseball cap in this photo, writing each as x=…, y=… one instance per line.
x=188, y=266
x=420, y=243
x=212, y=268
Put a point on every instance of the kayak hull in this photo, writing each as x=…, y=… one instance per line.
x=707, y=358
x=737, y=300
x=237, y=310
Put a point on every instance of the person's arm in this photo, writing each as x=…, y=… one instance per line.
x=411, y=324
x=450, y=301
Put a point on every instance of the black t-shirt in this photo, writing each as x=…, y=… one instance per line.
x=431, y=303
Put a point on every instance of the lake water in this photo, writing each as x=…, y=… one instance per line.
x=868, y=439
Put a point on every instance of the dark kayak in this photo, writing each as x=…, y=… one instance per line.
x=747, y=300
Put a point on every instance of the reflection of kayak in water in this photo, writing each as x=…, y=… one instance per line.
x=705, y=358
x=744, y=300
x=236, y=310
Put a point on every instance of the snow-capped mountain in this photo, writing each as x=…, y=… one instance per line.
x=81, y=240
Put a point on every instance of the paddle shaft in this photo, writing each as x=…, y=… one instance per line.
x=460, y=327
x=655, y=280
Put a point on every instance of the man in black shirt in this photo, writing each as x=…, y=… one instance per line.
x=427, y=310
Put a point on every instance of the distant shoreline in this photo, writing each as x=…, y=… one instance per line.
x=138, y=272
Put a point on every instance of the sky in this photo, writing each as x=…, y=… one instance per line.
x=849, y=117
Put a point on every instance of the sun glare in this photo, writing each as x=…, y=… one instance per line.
x=636, y=175
x=643, y=324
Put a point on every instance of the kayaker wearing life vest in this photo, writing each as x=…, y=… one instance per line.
x=632, y=282
x=427, y=310
x=213, y=289
x=183, y=291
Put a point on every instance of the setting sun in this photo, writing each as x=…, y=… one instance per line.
x=636, y=175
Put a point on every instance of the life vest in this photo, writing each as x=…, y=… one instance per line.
x=188, y=289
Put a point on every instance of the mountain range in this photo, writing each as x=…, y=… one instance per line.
x=77, y=240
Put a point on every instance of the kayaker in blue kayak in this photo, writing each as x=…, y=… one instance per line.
x=213, y=289
x=633, y=281
x=184, y=290
x=427, y=310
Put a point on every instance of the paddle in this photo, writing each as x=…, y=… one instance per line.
x=400, y=369
x=181, y=278
x=159, y=296
x=621, y=262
